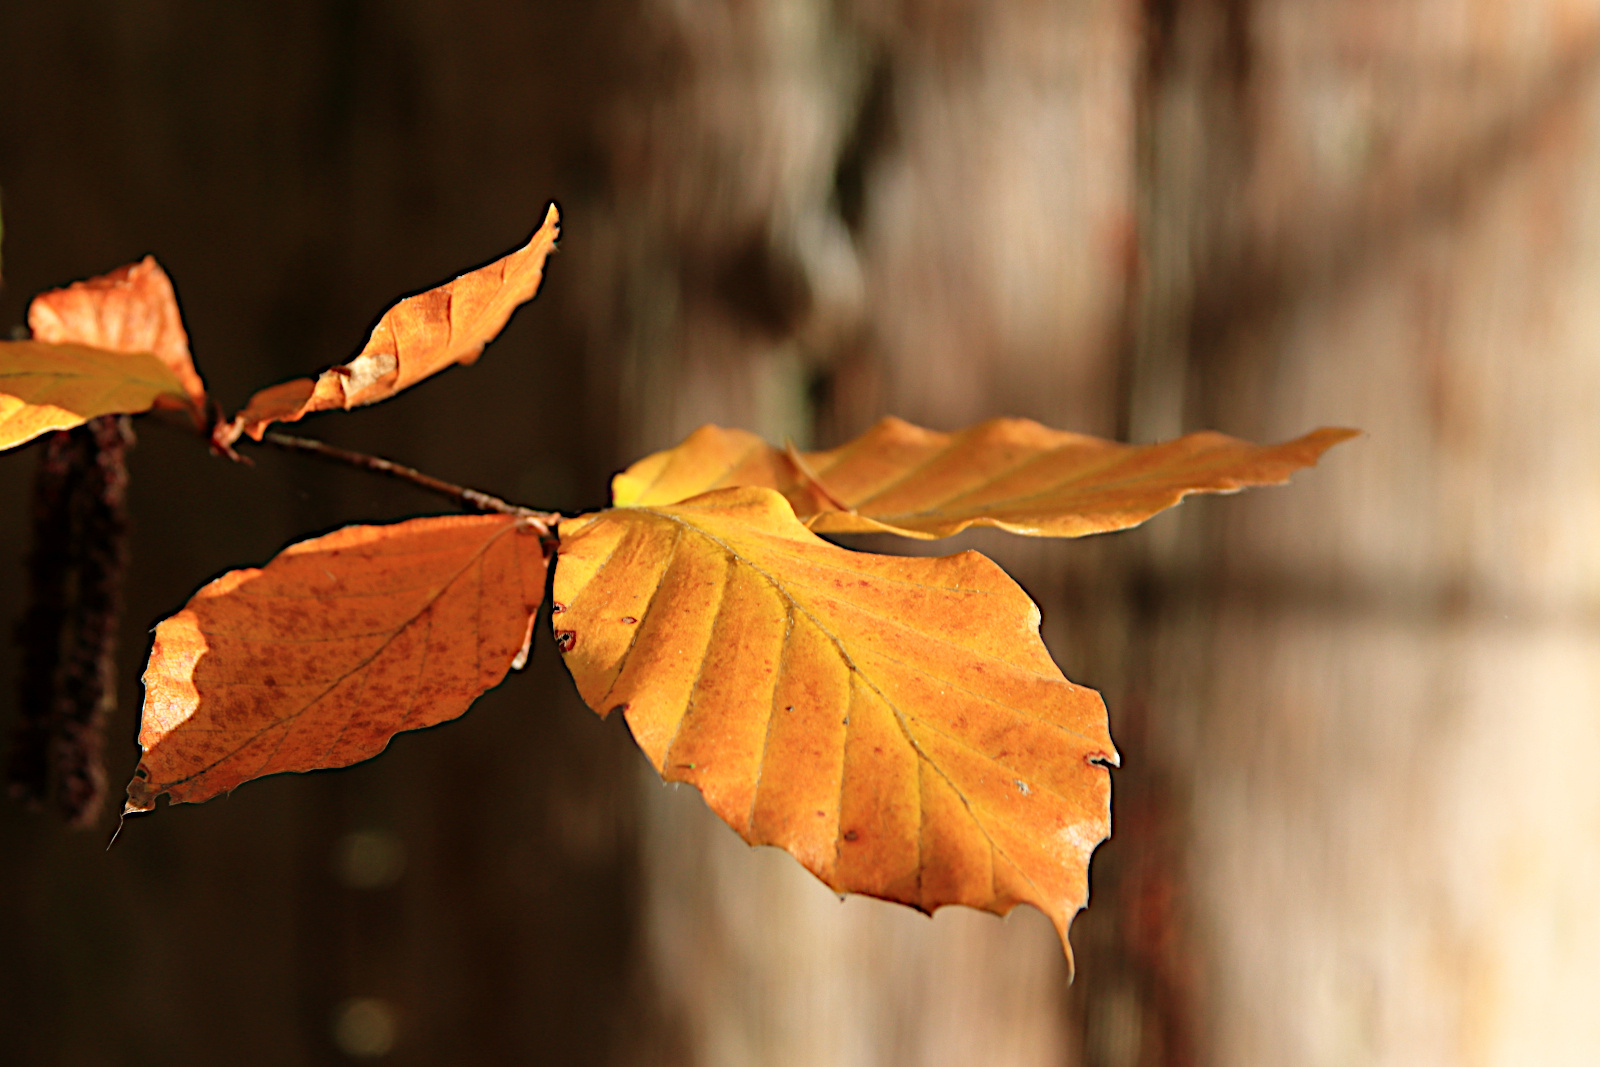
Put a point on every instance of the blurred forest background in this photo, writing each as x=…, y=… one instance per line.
x=1359, y=817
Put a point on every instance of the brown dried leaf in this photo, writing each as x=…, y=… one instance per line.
x=131, y=309
x=59, y=386
x=1011, y=473
x=416, y=338
x=339, y=643
x=895, y=723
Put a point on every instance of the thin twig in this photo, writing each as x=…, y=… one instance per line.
x=540, y=520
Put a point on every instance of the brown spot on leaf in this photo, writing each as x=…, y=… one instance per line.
x=566, y=639
x=254, y=680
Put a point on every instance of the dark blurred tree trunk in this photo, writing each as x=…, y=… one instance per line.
x=297, y=166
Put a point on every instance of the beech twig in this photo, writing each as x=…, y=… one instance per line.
x=541, y=520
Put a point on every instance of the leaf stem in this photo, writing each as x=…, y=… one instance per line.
x=540, y=520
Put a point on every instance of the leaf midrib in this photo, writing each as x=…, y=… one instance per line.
x=899, y=715
x=443, y=588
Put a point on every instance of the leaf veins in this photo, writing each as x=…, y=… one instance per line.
x=873, y=715
x=58, y=386
x=339, y=643
x=1011, y=473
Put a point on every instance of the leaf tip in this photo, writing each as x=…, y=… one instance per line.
x=141, y=795
x=1325, y=437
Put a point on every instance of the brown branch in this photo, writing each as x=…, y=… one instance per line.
x=87, y=692
x=541, y=520
x=67, y=688
x=39, y=631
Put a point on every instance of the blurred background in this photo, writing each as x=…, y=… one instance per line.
x=1358, y=820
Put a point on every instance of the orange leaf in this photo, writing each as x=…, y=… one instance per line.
x=339, y=643
x=1011, y=473
x=895, y=723
x=56, y=387
x=131, y=309
x=418, y=337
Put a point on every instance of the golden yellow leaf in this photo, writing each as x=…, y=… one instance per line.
x=131, y=309
x=336, y=645
x=418, y=337
x=1011, y=473
x=59, y=386
x=895, y=723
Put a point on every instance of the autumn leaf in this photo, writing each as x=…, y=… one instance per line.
x=418, y=337
x=1011, y=473
x=336, y=645
x=131, y=309
x=895, y=723
x=58, y=386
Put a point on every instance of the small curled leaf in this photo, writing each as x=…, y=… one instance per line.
x=416, y=338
